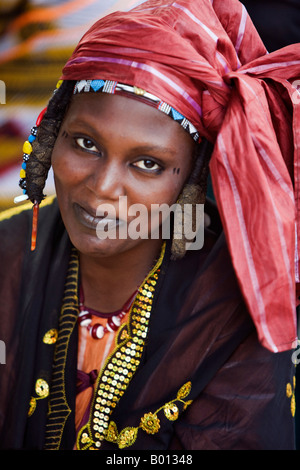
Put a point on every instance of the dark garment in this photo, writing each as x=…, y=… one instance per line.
x=201, y=354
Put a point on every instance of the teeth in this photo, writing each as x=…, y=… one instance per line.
x=101, y=222
x=92, y=219
x=105, y=221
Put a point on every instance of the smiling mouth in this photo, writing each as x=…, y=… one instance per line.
x=91, y=221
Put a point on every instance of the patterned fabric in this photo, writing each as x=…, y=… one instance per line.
x=206, y=60
x=108, y=86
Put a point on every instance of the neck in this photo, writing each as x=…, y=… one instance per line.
x=109, y=282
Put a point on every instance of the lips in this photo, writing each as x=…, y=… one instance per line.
x=90, y=220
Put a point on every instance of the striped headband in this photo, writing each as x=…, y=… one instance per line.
x=112, y=87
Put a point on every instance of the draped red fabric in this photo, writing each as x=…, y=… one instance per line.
x=206, y=59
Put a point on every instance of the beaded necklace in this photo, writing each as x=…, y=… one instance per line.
x=97, y=331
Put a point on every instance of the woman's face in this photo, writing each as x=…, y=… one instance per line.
x=113, y=152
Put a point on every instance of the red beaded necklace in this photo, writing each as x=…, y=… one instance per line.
x=97, y=331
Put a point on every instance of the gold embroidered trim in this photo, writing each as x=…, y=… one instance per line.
x=118, y=369
x=150, y=422
x=59, y=409
x=121, y=365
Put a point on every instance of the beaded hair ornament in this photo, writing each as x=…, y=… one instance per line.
x=23, y=182
x=37, y=149
x=27, y=149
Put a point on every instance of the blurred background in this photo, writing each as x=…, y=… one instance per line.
x=38, y=36
x=36, y=39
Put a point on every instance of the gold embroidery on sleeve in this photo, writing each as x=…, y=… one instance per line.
x=150, y=422
x=50, y=336
x=42, y=391
x=290, y=393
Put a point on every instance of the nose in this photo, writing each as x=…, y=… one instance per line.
x=108, y=181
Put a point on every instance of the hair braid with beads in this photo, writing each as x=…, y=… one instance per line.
x=39, y=163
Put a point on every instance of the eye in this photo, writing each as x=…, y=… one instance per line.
x=148, y=165
x=86, y=144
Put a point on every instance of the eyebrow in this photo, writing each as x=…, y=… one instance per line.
x=154, y=148
x=142, y=148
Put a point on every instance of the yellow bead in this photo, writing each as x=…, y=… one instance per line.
x=22, y=174
x=59, y=83
x=27, y=148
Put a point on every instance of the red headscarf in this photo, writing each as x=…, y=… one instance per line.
x=206, y=60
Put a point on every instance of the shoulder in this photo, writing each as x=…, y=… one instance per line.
x=25, y=208
x=15, y=214
x=15, y=223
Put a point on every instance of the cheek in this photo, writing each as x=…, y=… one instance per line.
x=168, y=188
x=67, y=170
x=157, y=199
x=154, y=193
x=165, y=195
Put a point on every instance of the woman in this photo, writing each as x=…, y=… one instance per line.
x=183, y=354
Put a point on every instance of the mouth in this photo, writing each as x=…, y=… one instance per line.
x=88, y=218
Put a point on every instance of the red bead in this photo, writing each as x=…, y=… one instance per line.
x=97, y=331
x=111, y=325
x=84, y=318
x=34, y=225
x=40, y=117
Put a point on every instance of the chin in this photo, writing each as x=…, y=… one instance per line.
x=91, y=245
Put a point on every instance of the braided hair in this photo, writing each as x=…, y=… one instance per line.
x=39, y=163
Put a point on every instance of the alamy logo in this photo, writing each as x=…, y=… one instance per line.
x=296, y=354
x=2, y=92
x=296, y=94
x=2, y=353
x=135, y=222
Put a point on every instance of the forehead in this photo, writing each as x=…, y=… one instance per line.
x=125, y=117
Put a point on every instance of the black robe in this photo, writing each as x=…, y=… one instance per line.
x=203, y=376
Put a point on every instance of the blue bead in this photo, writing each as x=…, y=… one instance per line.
x=176, y=115
x=24, y=165
x=31, y=138
x=24, y=191
x=97, y=84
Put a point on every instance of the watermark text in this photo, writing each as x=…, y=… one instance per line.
x=137, y=221
x=2, y=353
x=2, y=92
